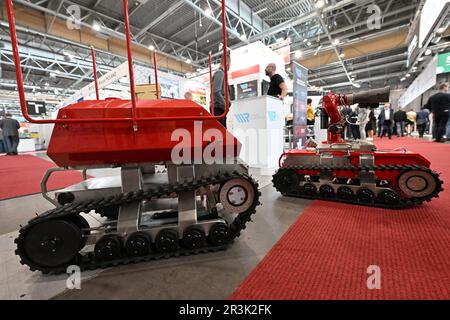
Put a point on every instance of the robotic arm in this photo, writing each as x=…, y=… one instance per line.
x=332, y=104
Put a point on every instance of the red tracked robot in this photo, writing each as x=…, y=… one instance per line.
x=194, y=206
x=356, y=172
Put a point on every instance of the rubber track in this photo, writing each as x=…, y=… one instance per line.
x=87, y=261
x=404, y=202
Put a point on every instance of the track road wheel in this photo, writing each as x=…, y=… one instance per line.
x=345, y=193
x=220, y=234
x=309, y=189
x=52, y=243
x=194, y=238
x=327, y=191
x=388, y=197
x=365, y=195
x=138, y=244
x=108, y=248
x=286, y=181
x=167, y=241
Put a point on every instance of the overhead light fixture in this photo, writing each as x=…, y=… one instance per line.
x=320, y=4
x=52, y=75
x=151, y=47
x=208, y=12
x=298, y=54
x=288, y=69
x=402, y=79
x=188, y=61
x=47, y=84
x=342, y=55
x=441, y=30
x=243, y=36
x=336, y=42
x=421, y=59
x=198, y=70
x=309, y=44
x=280, y=39
x=428, y=52
x=305, y=40
x=262, y=10
x=96, y=26
x=408, y=75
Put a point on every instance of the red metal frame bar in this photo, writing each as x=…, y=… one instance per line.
x=133, y=119
x=94, y=66
x=211, y=85
x=155, y=66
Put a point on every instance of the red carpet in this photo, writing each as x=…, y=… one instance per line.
x=22, y=175
x=326, y=253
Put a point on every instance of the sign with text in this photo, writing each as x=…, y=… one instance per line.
x=300, y=91
x=36, y=108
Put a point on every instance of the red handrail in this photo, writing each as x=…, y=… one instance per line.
x=211, y=85
x=155, y=66
x=94, y=66
x=133, y=119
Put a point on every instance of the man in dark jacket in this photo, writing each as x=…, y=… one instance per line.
x=386, y=119
x=219, y=90
x=400, y=120
x=439, y=104
x=10, y=129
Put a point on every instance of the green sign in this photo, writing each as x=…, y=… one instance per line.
x=443, y=64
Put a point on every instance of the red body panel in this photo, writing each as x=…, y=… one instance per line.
x=115, y=143
x=381, y=158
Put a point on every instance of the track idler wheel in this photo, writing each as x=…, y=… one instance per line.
x=327, y=191
x=194, y=238
x=419, y=184
x=108, y=248
x=309, y=189
x=365, y=195
x=220, y=234
x=81, y=223
x=388, y=197
x=345, y=193
x=167, y=241
x=52, y=243
x=138, y=244
x=237, y=195
x=286, y=181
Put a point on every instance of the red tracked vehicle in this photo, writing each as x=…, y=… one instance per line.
x=191, y=207
x=355, y=172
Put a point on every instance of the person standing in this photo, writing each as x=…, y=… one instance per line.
x=2, y=143
x=439, y=104
x=371, y=125
x=219, y=90
x=278, y=87
x=310, y=120
x=363, y=120
x=400, y=121
x=10, y=128
x=411, y=121
x=422, y=121
x=386, y=119
x=188, y=96
x=354, y=126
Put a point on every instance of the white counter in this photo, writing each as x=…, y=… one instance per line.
x=258, y=124
x=27, y=145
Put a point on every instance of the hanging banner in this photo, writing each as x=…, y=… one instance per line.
x=300, y=91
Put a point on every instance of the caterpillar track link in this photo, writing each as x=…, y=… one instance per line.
x=62, y=237
x=409, y=185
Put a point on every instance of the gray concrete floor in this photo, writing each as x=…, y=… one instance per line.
x=207, y=276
